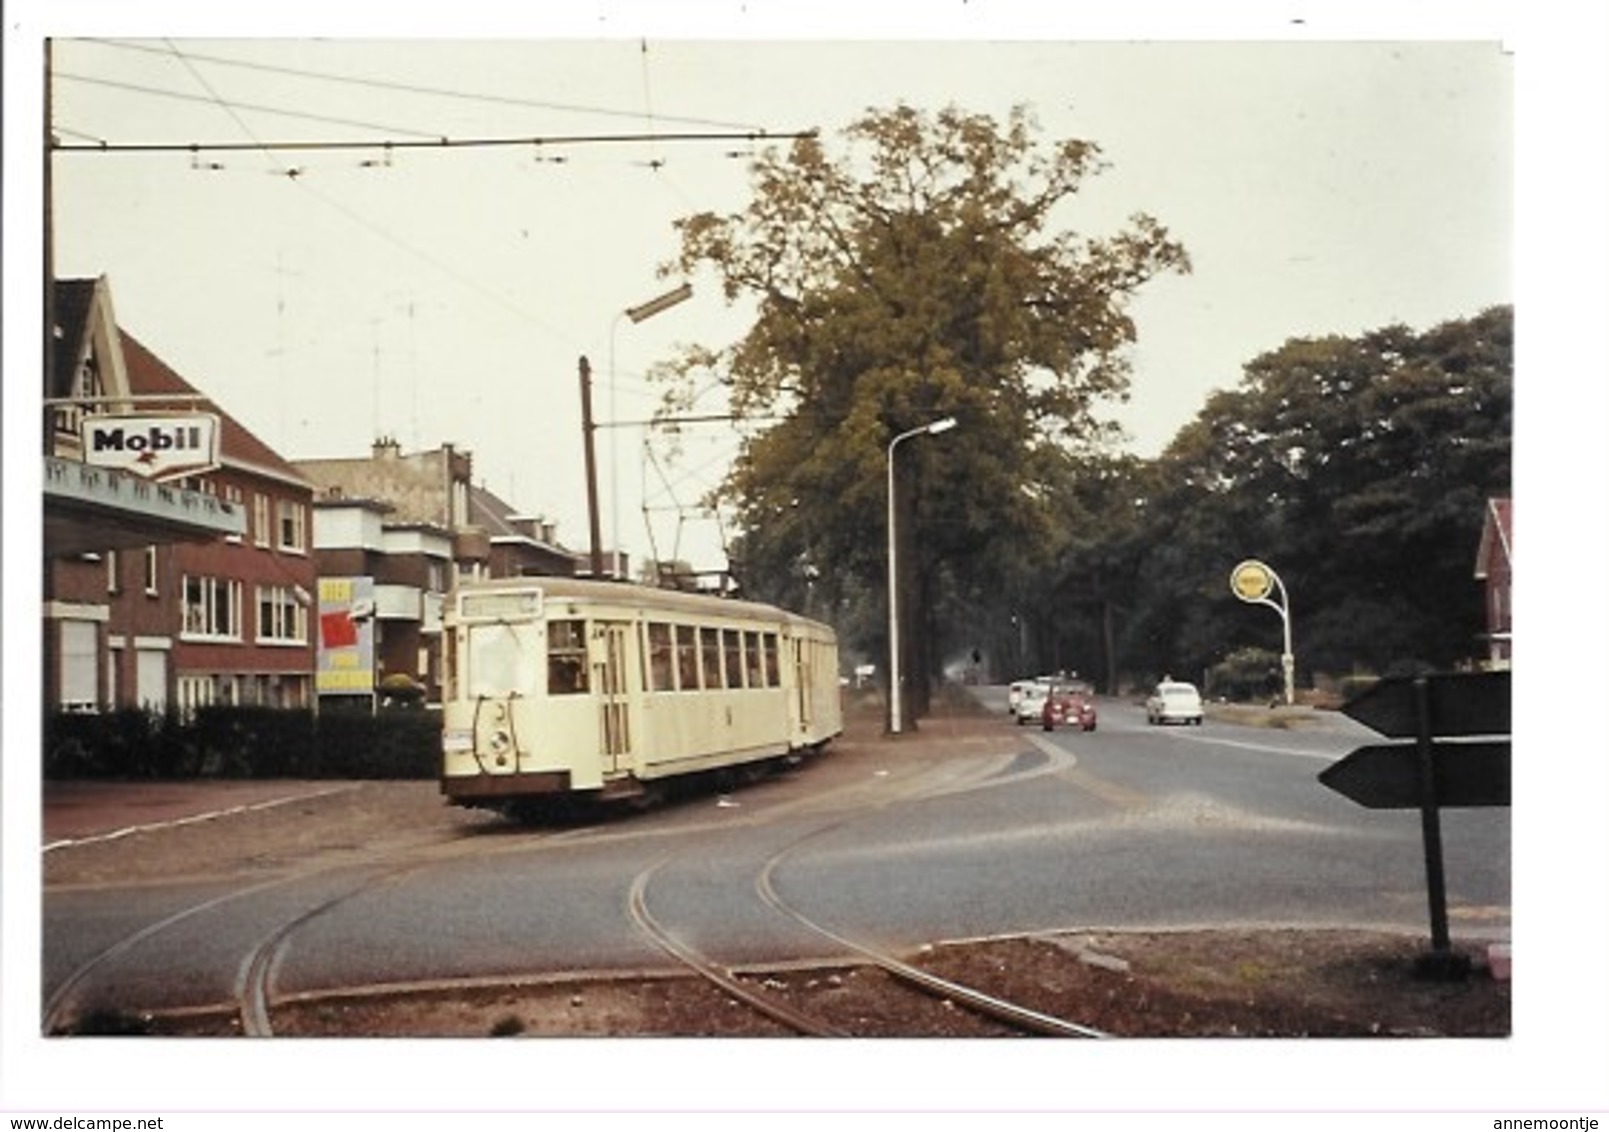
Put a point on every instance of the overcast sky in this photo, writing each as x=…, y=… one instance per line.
x=445, y=296
x=1330, y=167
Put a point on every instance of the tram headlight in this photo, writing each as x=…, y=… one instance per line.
x=500, y=742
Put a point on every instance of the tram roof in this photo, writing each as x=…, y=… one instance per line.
x=643, y=597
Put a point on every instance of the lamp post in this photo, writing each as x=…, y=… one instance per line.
x=893, y=573
x=1252, y=582
x=638, y=313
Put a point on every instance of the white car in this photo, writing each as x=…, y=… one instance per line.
x=1174, y=701
x=1030, y=707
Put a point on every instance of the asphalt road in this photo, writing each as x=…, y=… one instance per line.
x=1129, y=826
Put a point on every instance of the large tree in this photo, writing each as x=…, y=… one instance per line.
x=928, y=270
x=1359, y=467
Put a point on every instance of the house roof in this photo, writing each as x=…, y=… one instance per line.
x=71, y=315
x=238, y=446
x=498, y=519
x=1497, y=539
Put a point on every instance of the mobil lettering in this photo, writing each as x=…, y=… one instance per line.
x=154, y=438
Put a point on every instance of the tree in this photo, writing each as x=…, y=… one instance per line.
x=924, y=273
x=1359, y=468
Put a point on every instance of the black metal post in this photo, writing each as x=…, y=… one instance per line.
x=1441, y=962
x=587, y=430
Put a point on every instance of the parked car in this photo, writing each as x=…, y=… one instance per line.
x=1031, y=704
x=1174, y=701
x=1070, y=706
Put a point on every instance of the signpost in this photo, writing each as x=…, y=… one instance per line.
x=1254, y=583
x=1439, y=767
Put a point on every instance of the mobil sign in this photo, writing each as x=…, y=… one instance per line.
x=155, y=447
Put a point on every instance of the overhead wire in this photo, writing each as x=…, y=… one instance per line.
x=407, y=138
x=435, y=92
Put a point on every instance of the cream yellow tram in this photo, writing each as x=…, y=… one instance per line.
x=563, y=686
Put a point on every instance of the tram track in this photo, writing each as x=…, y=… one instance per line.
x=255, y=996
x=752, y=990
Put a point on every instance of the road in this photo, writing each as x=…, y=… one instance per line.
x=1129, y=826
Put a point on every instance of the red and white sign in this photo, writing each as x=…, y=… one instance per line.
x=155, y=447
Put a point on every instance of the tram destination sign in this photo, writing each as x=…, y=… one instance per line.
x=153, y=447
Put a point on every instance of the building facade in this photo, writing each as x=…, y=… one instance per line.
x=1494, y=568
x=393, y=531
x=154, y=614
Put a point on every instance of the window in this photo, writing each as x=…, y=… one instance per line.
x=212, y=607
x=732, y=646
x=234, y=496
x=150, y=571
x=686, y=658
x=753, y=667
x=79, y=665
x=567, y=657
x=292, y=525
x=280, y=617
x=709, y=651
x=768, y=643
x=661, y=658
x=113, y=584
x=261, y=527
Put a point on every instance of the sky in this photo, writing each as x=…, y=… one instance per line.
x=329, y=297
x=1331, y=168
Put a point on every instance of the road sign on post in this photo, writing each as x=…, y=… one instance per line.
x=1439, y=767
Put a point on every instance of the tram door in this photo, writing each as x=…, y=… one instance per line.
x=803, y=683
x=612, y=669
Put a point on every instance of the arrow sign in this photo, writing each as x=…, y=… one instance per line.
x=1461, y=703
x=1386, y=776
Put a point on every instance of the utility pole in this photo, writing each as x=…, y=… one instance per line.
x=587, y=429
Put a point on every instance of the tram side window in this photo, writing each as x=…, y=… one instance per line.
x=751, y=660
x=773, y=676
x=732, y=645
x=686, y=658
x=661, y=658
x=709, y=653
x=567, y=657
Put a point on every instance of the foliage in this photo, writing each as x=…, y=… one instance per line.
x=1359, y=468
x=1246, y=674
x=927, y=272
x=242, y=743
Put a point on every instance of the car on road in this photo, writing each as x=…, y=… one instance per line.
x=1014, y=694
x=1031, y=702
x=1067, y=705
x=1174, y=701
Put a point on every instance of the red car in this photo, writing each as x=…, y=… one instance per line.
x=1071, y=706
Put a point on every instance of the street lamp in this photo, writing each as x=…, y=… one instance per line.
x=1252, y=582
x=639, y=313
x=893, y=572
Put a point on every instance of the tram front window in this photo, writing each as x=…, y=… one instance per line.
x=502, y=660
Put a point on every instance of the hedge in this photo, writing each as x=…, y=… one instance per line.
x=243, y=742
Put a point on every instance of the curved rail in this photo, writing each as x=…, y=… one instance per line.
x=721, y=977
x=989, y=1006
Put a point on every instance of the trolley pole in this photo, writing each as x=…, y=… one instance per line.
x=588, y=427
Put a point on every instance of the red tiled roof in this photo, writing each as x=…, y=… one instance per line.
x=149, y=374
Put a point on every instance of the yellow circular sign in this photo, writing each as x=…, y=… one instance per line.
x=1251, y=580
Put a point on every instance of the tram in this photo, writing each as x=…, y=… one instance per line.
x=571, y=687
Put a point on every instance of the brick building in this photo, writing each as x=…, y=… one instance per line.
x=393, y=531
x=159, y=604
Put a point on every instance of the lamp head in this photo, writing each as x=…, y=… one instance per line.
x=941, y=426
